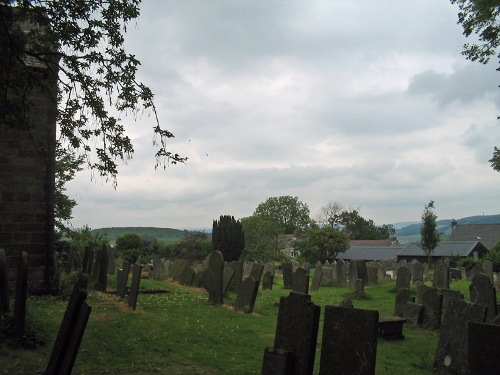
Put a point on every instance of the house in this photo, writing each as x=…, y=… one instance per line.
x=444, y=249
x=370, y=253
x=487, y=234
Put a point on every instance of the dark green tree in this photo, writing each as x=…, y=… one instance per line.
x=287, y=211
x=330, y=242
x=83, y=42
x=130, y=247
x=481, y=18
x=228, y=237
x=357, y=227
x=262, y=239
x=429, y=235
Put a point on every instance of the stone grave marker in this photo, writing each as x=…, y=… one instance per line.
x=488, y=268
x=391, y=328
x=102, y=275
x=359, y=288
x=216, y=278
x=418, y=272
x=449, y=294
x=247, y=267
x=403, y=278
x=21, y=294
x=237, y=267
x=297, y=330
x=307, y=266
x=316, y=280
x=432, y=301
x=187, y=276
x=257, y=270
x=157, y=267
x=111, y=261
x=121, y=279
x=362, y=273
x=295, y=265
x=277, y=362
x=201, y=275
x=326, y=276
x=372, y=273
x=301, y=281
x=483, y=293
x=134, y=286
x=349, y=341
x=341, y=272
x=451, y=350
x=404, y=308
x=401, y=263
x=247, y=294
x=381, y=278
x=455, y=274
x=4, y=283
x=287, y=269
x=178, y=267
x=166, y=269
x=353, y=273
x=483, y=348
x=267, y=281
x=94, y=267
x=476, y=269
x=227, y=276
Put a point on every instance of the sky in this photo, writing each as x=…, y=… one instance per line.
x=366, y=103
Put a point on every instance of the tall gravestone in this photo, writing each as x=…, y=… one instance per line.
x=316, y=280
x=326, y=276
x=449, y=294
x=267, y=281
x=287, y=270
x=483, y=293
x=237, y=267
x=227, y=276
x=353, y=273
x=417, y=274
x=372, y=272
x=122, y=278
x=488, y=268
x=215, y=278
x=301, y=281
x=134, y=286
x=277, y=362
x=403, y=278
x=362, y=272
x=111, y=260
x=441, y=275
x=341, y=272
x=4, y=283
x=102, y=275
x=297, y=330
x=432, y=301
x=257, y=270
x=349, y=343
x=247, y=294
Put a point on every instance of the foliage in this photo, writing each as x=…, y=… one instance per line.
x=355, y=227
x=481, y=18
x=84, y=42
x=228, y=237
x=262, y=239
x=129, y=247
x=194, y=247
x=494, y=255
x=330, y=214
x=429, y=236
x=330, y=242
x=287, y=211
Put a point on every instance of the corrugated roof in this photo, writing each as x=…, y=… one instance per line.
x=380, y=243
x=487, y=234
x=445, y=248
x=370, y=253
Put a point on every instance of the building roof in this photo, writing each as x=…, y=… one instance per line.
x=370, y=253
x=487, y=234
x=445, y=248
x=379, y=243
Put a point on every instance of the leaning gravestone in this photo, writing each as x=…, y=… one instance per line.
x=247, y=294
x=237, y=267
x=4, y=283
x=432, y=301
x=404, y=308
x=349, y=341
x=451, y=351
x=483, y=293
x=215, y=278
x=483, y=348
x=267, y=281
x=134, y=286
x=287, y=269
x=21, y=294
x=297, y=330
x=277, y=362
x=301, y=281
x=227, y=276
x=122, y=278
x=316, y=280
x=257, y=270
x=403, y=278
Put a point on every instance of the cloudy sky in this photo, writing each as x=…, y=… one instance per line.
x=367, y=103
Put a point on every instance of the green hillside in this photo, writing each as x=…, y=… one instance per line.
x=166, y=235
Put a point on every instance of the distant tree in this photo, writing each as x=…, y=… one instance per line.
x=429, y=235
x=228, y=237
x=330, y=214
x=129, y=246
x=482, y=18
x=357, y=227
x=330, y=242
x=287, y=211
x=262, y=239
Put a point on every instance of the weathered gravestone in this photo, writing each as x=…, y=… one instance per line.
x=301, y=281
x=287, y=270
x=4, y=283
x=102, y=274
x=441, y=277
x=341, y=272
x=349, y=341
x=475, y=270
x=483, y=293
x=96, y=265
x=432, y=301
x=362, y=273
x=215, y=278
x=187, y=276
x=488, y=268
x=326, y=276
x=316, y=280
x=417, y=274
x=121, y=279
x=227, y=276
x=71, y=331
x=157, y=267
x=297, y=330
x=21, y=293
x=237, y=267
x=455, y=274
x=353, y=273
x=257, y=270
x=178, y=267
x=88, y=259
x=111, y=261
x=267, y=281
x=201, y=276
x=449, y=294
x=403, y=278
x=451, y=351
x=372, y=273
x=277, y=362
x=247, y=293
x=483, y=348
x=404, y=308
x=134, y=286
x=391, y=328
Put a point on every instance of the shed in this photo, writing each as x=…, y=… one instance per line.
x=462, y=249
x=370, y=253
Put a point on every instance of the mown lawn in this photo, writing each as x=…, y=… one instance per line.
x=180, y=333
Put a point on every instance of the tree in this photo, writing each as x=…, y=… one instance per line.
x=356, y=227
x=330, y=242
x=129, y=246
x=262, y=239
x=481, y=17
x=330, y=214
x=84, y=42
x=287, y=211
x=429, y=236
x=228, y=237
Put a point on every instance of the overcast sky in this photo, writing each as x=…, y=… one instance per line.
x=367, y=103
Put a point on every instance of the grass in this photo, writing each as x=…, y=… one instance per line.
x=180, y=333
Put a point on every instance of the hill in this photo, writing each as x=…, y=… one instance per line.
x=166, y=235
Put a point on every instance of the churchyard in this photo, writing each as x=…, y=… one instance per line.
x=171, y=328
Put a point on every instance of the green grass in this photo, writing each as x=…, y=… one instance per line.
x=180, y=333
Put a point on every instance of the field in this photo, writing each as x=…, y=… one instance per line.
x=180, y=333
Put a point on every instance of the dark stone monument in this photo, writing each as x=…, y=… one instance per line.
x=391, y=328
x=111, y=261
x=483, y=348
x=403, y=278
x=455, y=274
x=237, y=267
x=353, y=273
x=359, y=288
x=441, y=278
x=21, y=293
x=316, y=280
x=451, y=351
x=121, y=279
x=349, y=341
x=215, y=278
x=4, y=283
x=362, y=273
x=102, y=276
x=85, y=261
x=404, y=308
x=372, y=272
x=247, y=293
x=301, y=281
x=277, y=362
x=341, y=272
x=287, y=269
x=227, y=276
x=257, y=270
x=187, y=276
x=476, y=269
x=483, y=293
x=267, y=281
x=449, y=294
x=417, y=274
x=326, y=276
x=134, y=286
x=432, y=301
x=178, y=267
x=297, y=330
x=346, y=302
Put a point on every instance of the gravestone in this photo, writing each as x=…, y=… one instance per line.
x=359, y=288
x=287, y=269
x=121, y=279
x=227, y=276
x=417, y=272
x=475, y=270
x=449, y=294
x=21, y=293
x=362, y=273
x=215, y=278
x=157, y=267
x=177, y=268
x=349, y=343
x=441, y=278
x=391, y=328
x=134, y=286
x=4, y=283
x=96, y=266
x=301, y=281
x=341, y=272
x=488, y=268
x=295, y=265
x=403, y=278
x=404, y=308
x=307, y=266
x=111, y=261
x=432, y=301
x=297, y=330
x=247, y=294
x=316, y=280
x=267, y=281
x=483, y=348
x=381, y=275
x=346, y=302
x=201, y=275
x=237, y=267
x=277, y=362
x=166, y=269
x=353, y=273
x=247, y=268
x=326, y=276
x=455, y=274
x=102, y=275
x=451, y=351
x=483, y=293
x=187, y=276
x=372, y=273
x=257, y=270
